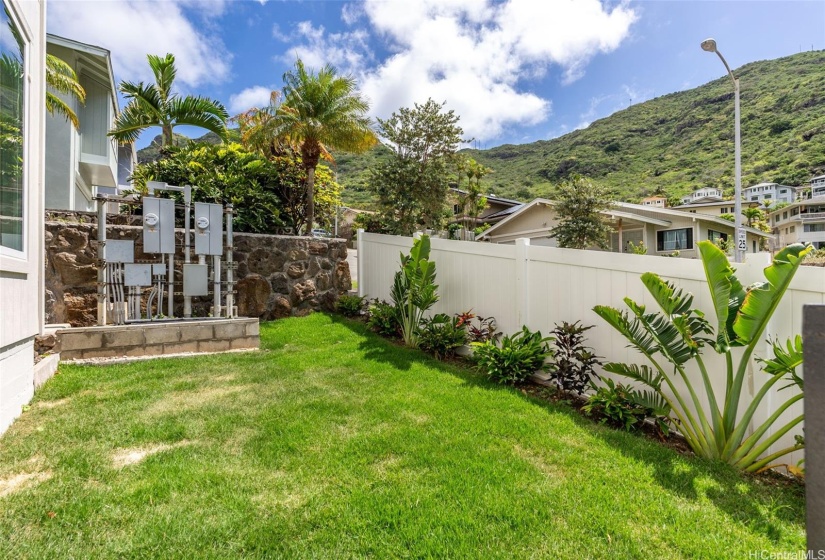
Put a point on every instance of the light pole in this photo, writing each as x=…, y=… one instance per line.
x=740, y=239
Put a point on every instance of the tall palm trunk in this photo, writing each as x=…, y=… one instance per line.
x=310, y=199
x=168, y=139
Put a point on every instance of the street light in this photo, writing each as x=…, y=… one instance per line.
x=741, y=243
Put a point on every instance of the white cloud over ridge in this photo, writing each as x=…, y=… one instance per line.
x=130, y=29
x=255, y=96
x=474, y=54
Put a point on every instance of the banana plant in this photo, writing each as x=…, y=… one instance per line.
x=414, y=289
x=678, y=334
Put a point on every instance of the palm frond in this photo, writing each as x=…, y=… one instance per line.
x=726, y=292
x=631, y=330
x=643, y=374
x=54, y=104
x=130, y=123
x=164, y=70
x=62, y=78
x=785, y=360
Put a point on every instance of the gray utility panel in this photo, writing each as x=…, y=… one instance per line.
x=158, y=225
x=208, y=229
x=137, y=275
x=119, y=251
x=195, y=280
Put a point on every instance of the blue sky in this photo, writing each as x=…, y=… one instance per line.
x=515, y=70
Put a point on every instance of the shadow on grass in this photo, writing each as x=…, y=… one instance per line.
x=755, y=502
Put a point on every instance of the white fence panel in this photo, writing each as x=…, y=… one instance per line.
x=541, y=286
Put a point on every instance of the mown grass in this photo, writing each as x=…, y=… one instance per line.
x=333, y=443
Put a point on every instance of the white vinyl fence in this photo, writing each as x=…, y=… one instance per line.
x=540, y=286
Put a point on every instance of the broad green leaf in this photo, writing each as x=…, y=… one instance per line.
x=725, y=290
x=762, y=299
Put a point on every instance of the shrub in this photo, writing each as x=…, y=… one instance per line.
x=634, y=249
x=441, y=335
x=624, y=407
x=350, y=305
x=382, y=318
x=574, y=360
x=516, y=358
x=679, y=334
x=484, y=330
x=414, y=289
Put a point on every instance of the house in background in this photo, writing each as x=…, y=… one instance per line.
x=818, y=186
x=769, y=193
x=705, y=194
x=494, y=211
x=655, y=201
x=662, y=230
x=23, y=109
x=80, y=161
x=800, y=222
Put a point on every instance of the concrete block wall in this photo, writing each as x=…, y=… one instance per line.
x=16, y=385
x=158, y=339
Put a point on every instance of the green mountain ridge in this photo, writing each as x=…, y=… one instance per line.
x=672, y=144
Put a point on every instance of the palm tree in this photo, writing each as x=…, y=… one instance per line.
x=752, y=215
x=61, y=78
x=319, y=112
x=156, y=105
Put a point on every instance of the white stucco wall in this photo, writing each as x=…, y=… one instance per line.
x=21, y=283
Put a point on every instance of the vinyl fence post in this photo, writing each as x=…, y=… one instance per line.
x=359, y=249
x=522, y=305
x=813, y=332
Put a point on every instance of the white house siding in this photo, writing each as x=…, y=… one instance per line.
x=21, y=284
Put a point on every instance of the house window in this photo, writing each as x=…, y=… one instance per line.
x=754, y=198
x=784, y=215
x=768, y=196
x=674, y=239
x=810, y=228
x=723, y=210
x=793, y=229
x=783, y=191
x=716, y=235
x=794, y=211
x=12, y=110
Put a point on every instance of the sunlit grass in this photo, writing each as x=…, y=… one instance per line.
x=334, y=443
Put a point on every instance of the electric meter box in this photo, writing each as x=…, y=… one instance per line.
x=195, y=280
x=158, y=225
x=208, y=229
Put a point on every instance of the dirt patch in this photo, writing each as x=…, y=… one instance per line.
x=547, y=469
x=52, y=404
x=21, y=481
x=133, y=455
x=187, y=400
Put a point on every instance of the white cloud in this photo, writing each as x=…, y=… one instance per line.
x=255, y=96
x=347, y=51
x=476, y=55
x=132, y=29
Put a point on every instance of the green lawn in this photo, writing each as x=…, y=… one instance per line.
x=333, y=443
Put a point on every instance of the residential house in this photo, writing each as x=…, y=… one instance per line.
x=818, y=186
x=79, y=162
x=705, y=194
x=656, y=201
x=800, y=222
x=662, y=230
x=22, y=105
x=716, y=208
x=495, y=210
x=769, y=193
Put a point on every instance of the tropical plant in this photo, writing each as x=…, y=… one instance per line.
x=411, y=185
x=624, y=407
x=579, y=206
x=441, y=335
x=61, y=78
x=679, y=333
x=634, y=249
x=156, y=105
x=414, y=289
x=575, y=362
x=316, y=113
x=382, y=318
x=515, y=358
x=484, y=330
x=350, y=305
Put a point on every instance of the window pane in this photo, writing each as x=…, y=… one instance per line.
x=11, y=134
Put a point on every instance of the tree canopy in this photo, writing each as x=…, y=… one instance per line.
x=579, y=205
x=411, y=185
x=156, y=105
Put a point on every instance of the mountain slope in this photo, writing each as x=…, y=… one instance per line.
x=675, y=143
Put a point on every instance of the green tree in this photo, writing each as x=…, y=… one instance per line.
x=752, y=215
x=472, y=201
x=156, y=105
x=61, y=78
x=411, y=186
x=579, y=206
x=319, y=112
